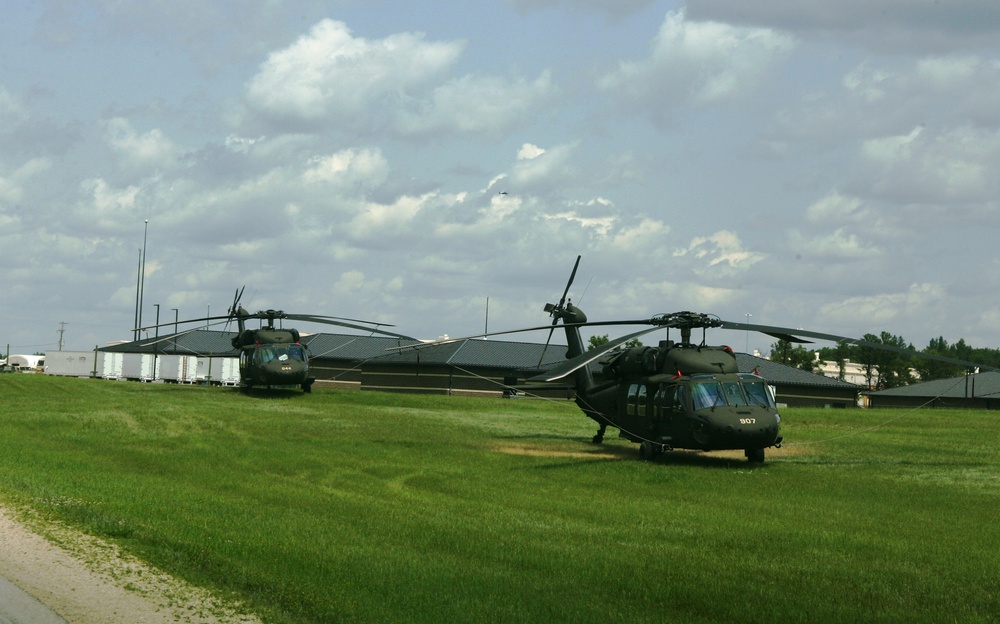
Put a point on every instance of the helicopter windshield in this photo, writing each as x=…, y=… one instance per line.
x=707, y=394
x=282, y=353
x=758, y=393
x=713, y=393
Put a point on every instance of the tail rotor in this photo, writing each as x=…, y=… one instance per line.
x=556, y=310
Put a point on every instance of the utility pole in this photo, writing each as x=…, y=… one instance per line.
x=138, y=282
x=142, y=271
x=62, y=328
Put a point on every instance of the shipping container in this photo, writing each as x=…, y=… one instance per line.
x=110, y=364
x=138, y=367
x=177, y=368
x=71, y=363
x=219, y=370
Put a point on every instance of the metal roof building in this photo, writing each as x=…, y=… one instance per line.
x=979, y=391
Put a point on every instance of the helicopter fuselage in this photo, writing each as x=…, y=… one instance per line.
x=676, y=395
x=272, y=357
x=706, y=411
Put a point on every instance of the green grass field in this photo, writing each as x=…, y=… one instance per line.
x=347, y=506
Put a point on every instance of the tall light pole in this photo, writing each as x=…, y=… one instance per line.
x=142, y=270
x=138, y=281
x=157, y=306
x=747, y=348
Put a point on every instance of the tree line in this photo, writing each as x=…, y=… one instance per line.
x=888, y=369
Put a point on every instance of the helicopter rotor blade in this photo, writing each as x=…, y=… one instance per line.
x=793, y=333
x=574, y=364
x=329, y=321
x=185, y=321
x=335, y=318
x=219, y=321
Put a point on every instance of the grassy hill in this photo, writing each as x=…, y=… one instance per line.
x=370, y=507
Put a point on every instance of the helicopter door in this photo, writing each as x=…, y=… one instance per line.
x=634, y=423
x=637, y=401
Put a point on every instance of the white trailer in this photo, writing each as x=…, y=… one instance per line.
x=177, y=368
x=110, y=364
x=138, y=367
x=26, y=363
x=71, y=363
x=219, y=370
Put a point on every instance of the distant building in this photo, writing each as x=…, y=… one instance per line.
x=26, y=363
x=975, y=391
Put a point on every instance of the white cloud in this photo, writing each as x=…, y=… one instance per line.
x=883, y=309
x=380, y=221
x=12, y=189
x=645, y=237
x=549, y=165
x=151, y=149
x=110, y=207
x=529, y=151
x=952, y=165
x=473, y=104
x=838, y=245
x=837, y=208
x=366, y=167
x=721, y=252
x=698, y=63
x=328, y=73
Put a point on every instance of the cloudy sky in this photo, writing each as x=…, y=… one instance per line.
x=817, y=165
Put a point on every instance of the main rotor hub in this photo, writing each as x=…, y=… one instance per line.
x=686, y=320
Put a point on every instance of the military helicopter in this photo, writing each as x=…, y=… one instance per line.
x=274, y=356
x=678, y=394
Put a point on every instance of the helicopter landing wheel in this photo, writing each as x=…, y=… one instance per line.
x=648, y=451
x=755, y=456
x=599, y=436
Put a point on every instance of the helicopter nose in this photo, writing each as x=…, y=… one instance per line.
x=749, y=434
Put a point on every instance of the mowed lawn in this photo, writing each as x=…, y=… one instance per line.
x=343, y=506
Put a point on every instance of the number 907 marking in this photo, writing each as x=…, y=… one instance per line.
x=748, y=421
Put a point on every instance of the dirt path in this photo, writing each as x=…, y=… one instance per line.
x=84, y=580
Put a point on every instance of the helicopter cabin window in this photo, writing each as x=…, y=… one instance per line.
x=637, y=400
x=681, y=396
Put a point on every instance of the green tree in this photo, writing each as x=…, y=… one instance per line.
x=599, y=341
x=883, y=368
x=932, y=369
x=796, y=356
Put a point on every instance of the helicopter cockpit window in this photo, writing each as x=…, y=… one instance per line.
x=734, y=394
x=295, y=352
x=707, y=394
x=266, y=354
x=758, y=393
